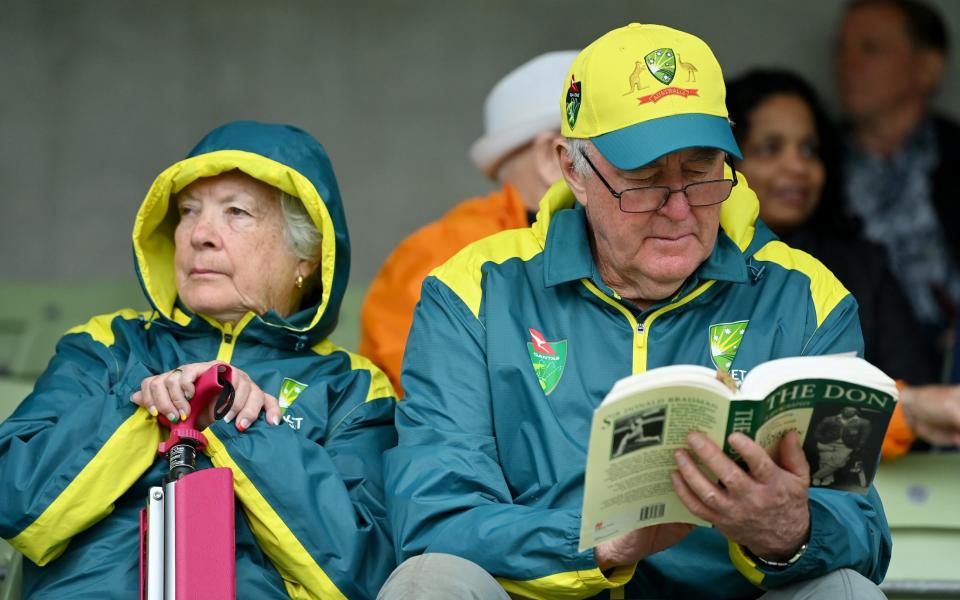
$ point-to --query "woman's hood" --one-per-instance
(282, 156)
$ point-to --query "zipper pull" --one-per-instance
(640, 327)
(228, 333)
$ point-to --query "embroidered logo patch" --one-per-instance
(662, 64)
(290, 389)
(725, 340)
(548, 358)
(574, 94)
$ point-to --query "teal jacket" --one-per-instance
(491, 456)
(77, 458)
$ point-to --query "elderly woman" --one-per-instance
(242, 251)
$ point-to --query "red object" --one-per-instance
(207, 388)
(203, 525)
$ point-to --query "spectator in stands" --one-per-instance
(516, 149)
(242, 251)
(647, 242)
(900, 158)
(791, 160)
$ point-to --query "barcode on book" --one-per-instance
(652, 511)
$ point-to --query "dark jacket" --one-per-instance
(889, 328)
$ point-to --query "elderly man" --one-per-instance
(648, 242)
(516, 149)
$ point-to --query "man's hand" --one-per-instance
(170, 394)
(933, 412)
(639, 543)
(764, 509)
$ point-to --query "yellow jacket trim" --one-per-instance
(742, 562)
(119, 463)
(380, 386)
(100, 327)
(302, 576)
(572, 584)
(825, 289)
(463, 273)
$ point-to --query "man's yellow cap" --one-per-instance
(642, 91)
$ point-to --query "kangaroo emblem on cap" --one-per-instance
(636, 78)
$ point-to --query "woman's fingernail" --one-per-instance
(242, 424)
(228, 417)
(173, 417)
(276, 420)
(183, 415)
(153, 411)
(188, 396)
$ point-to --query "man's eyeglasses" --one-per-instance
(651, 198)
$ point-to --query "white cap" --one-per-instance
(520, 106)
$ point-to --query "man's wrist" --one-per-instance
(776, 563)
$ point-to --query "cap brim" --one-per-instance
(643, 143)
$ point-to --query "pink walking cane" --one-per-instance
(187, 545)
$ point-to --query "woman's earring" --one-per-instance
(299, 282)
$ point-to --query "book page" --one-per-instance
(840, 424)
(630, 458)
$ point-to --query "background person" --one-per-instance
(791, 159)
(242, 251)
(516, 150)
(646, 243)
(900, 163)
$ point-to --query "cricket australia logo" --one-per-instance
(662, 64)
(548, 358)
(725, 340)
(290, 390)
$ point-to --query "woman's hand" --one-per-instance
(170, 393)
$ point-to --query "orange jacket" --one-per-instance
(387, 310)
(899, 435)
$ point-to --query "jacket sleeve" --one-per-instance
(74, 445)
(313, 496)
(445, 487)
(847, 530)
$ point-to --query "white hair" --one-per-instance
(301, 233)
(578, 148)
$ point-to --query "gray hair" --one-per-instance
(301, 233)
(578, 147)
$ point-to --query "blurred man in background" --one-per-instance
(901, 179)
(516, 150)
(900, 160)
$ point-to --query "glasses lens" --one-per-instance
(643, 199)
(709, 192)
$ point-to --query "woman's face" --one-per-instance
(231, 255)
(781, 161)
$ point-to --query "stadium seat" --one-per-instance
(920, 493)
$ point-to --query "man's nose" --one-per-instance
(677, 207)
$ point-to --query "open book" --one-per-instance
(839, 404)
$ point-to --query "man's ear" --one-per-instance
(930, 67)
(574, 179)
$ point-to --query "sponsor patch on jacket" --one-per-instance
(725, 339)
(548, 359)
(290, 390)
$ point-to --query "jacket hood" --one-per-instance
(282, 156)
